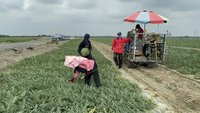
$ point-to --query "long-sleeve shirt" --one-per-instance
(118, 44)
(74, 61)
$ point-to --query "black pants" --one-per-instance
(94, 72)
(118, 59)
(95, 75)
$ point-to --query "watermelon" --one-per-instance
(85, 52)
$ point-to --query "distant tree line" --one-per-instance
(43, 35)
(1, 35)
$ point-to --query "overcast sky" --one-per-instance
(97, 17)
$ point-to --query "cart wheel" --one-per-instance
(131, 64)
(149, 65)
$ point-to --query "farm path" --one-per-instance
(12, 55)
(171, 91)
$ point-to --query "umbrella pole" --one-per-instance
(144, 28)
(158, 28)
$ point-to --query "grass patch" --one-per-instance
(15, 39)
(184, 61)
(184, 42)
(40, 84)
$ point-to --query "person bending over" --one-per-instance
(83, 65)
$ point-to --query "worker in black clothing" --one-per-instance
(87, 44)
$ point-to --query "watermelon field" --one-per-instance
(40, 84)
(113, 56)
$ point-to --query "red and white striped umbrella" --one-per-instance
(146, 17)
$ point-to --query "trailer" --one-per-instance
(148, 51)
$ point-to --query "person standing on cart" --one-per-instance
(139, 39)
(118, 49)
(139, 30)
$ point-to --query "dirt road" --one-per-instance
(171, 91)
(16, 53)
(42, 40)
